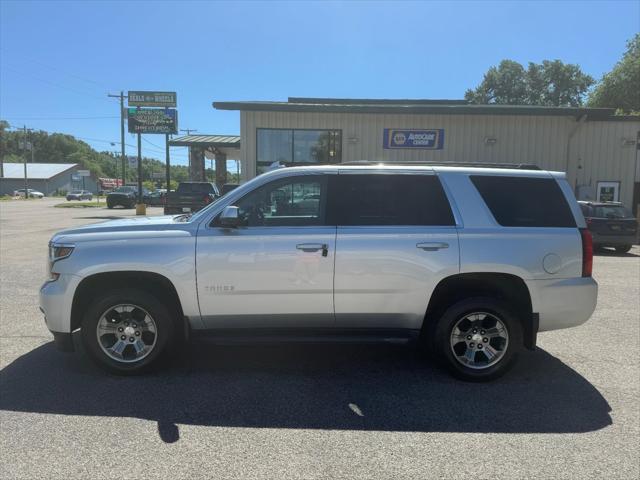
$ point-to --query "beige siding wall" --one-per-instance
(598, 147)
(541, 140)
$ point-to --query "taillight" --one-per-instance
(587, 252)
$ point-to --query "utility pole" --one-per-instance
(26, 182)
(122, 96)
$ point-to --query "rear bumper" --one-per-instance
(563, 303)
(614, 240)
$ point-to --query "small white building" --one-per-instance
(599, 151)
(47, 178)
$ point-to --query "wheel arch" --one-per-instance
(153, 283)
(503, 286)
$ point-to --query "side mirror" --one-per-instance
(229, 217)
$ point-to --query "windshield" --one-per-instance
(76, 192)
(125, 189)
(612, 211)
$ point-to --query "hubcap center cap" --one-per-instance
(476, 338)
(129, 330)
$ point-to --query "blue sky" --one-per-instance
(58, 60)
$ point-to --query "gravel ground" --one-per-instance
(568, 410)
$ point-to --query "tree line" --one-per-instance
(63, 148)
(558, 84)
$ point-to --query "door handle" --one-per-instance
(432, 246)
(314, 247)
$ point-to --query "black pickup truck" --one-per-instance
(190, 197)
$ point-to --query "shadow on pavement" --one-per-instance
(345, 387)
(606, 252)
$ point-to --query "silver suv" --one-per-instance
(469, 262)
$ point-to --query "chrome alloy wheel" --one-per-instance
(126, 333)
(479, 340)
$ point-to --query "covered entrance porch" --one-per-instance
(217, 148)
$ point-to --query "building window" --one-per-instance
(297, 147)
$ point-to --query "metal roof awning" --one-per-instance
(400, 106)
(206, 141)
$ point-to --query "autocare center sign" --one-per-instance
(416, 139)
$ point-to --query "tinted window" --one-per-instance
(296, 201)
(612, 211)
(201, 188)
(525, 202)
(387, 199)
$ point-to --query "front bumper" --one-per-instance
(56, 299)
(563, 303)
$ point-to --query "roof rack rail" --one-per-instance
(515, 166)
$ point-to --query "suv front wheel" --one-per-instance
(478, 338)
(125, 331)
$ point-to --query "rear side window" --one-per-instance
(387, 199)
(524, 202)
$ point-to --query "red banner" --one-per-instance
(109, 183)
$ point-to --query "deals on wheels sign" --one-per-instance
(152, 120)
(403, 138)
(152, 99)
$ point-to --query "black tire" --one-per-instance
(623, 248)
(444, 352)
(155, 308)
(109, 205)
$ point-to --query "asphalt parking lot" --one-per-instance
(568, 410)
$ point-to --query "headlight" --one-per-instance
(57, 251)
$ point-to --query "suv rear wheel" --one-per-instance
(478, 338)
(125, 331)
(623, 248)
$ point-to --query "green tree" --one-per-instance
(550, 83)
(620, 88)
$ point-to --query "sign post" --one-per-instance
(140, 207)
(168, 169)
(151, 121)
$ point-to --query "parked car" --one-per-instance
(79, 195)
(190, 197)
(125, 196)
(32, 193)
(157, 198)
(469, 263)
(611, 224)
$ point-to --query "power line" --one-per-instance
(73, 75)
(53, 83)
(63, 118)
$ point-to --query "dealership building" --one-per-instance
(597, 149)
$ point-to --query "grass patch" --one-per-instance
(79, 205)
